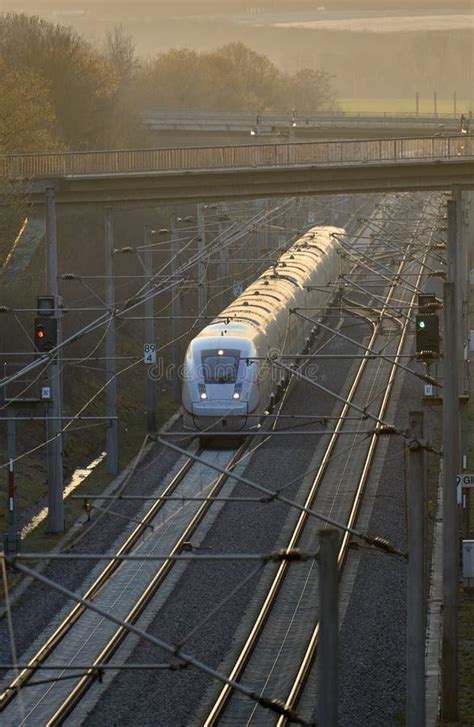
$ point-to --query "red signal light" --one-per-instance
(46, 334)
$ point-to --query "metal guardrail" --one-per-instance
(299, 118)
(267, 125)
(267, 122)
(321, 153)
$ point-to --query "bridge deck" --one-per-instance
(271, 169)
(265, 123)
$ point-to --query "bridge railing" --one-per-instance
(299, 118)
(27, 166)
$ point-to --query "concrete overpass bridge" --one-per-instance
(245, 172)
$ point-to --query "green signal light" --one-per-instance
(421, 324)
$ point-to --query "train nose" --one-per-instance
(220, 408)
(222, 415)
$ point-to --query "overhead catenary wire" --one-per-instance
(275, 495)
(164, 645)
(91, 399)
(101, 320)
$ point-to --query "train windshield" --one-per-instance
(220, 366)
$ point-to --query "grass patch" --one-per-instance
(403, 105)
(132, 433)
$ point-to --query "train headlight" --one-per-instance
(237, 391)
(203, 395)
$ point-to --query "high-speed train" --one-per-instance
(229, 380)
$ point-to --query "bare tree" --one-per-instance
(120, 51)
(231, 78)
(311, 90)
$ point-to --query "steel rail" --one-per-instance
(311, 650)
(143, 601)
(48, 647)
(114, 643)
(252, 639)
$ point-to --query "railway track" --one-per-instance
(279, 652)
(51, 703)
(174, 523)
(37, 661)
(40, 704)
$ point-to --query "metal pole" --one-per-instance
(202, 262)
(415, 706)
(175, 314)
(266, 230)
(112, 463)
(458, 242)
(455, 273)
(223, 261)
(328, 619)
(348, 211)
(449, 691)
(260, 206)
(294, 218)
(417, 102)
(11, 544)
(149, 331)
(457, 251)
(54, 427)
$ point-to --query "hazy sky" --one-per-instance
(344, 37)
(197, 6)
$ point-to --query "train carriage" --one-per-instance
(229, 381)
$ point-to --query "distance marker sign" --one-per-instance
(149, 353)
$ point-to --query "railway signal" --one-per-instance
(46, 334)
(427, 336)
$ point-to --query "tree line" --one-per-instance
(60, 91)
(231, 78)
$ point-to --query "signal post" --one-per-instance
(451, 465)
(48, 332)
(112, 461)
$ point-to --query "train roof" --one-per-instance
(276, 286)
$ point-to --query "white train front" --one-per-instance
(228, 381)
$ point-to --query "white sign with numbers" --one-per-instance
(311, 218)
(149, 353)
